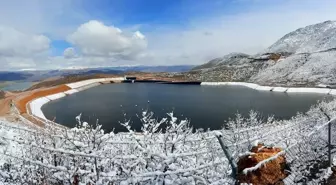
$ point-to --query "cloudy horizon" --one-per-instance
(38, 34)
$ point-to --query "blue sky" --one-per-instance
(146, 15)
(149, 15)
(42, 34)
(175, 12)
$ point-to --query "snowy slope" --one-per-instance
(309, 39)
(300, 69)
(304, 57)
(232, 58)
(312, 60)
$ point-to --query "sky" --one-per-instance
(39, 34)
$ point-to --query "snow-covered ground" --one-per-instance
(279, 89)
(249, 85)
(71, 91)
(79, 84)
(56, 96)
(264, 88)
(309, 90)
(35, 107)
(274, 89)
(83, 83)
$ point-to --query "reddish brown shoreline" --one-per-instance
(21, 103)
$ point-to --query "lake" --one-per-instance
(16, 86)
(205, 106)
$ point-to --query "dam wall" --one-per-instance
(35, 107)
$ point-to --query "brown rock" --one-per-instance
(271, 173)
(275, 56)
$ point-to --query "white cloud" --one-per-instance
(69, 53)
(56, 18)
(21, 50)
(96, 39)
(16, 43)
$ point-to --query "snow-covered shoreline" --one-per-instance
(36, 104)
(275, 89)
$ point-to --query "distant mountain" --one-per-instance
(43, 74)
(13, 76)
(306, 56)
(176, 68)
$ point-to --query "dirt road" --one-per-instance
(5, 102)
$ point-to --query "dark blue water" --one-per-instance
(205, 106)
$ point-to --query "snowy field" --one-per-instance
(86, 154)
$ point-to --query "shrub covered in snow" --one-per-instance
(86, 154)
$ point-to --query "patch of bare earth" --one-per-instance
(67, 79)
(2, 94)
(332, 179)
(22, 100)
(6, 100)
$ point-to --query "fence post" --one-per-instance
(228, 156)
(329, 135)
(329, 143)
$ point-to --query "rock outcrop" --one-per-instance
(271, 173)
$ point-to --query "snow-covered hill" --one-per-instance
(300, 69)
(306, 56)
(313, 38)
(231, 58)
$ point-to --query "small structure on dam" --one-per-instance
(130, 78)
